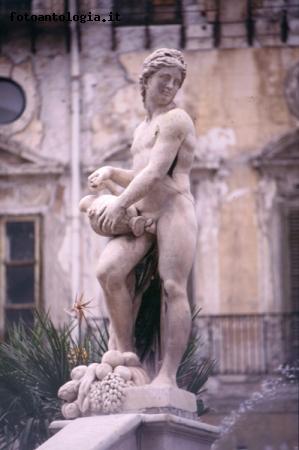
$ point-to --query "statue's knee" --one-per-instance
(101, 272)
(108, 278)
(173, 289)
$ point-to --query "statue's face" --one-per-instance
(163, 85)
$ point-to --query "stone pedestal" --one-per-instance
(160, 399)
(131, 432)
(152, 418)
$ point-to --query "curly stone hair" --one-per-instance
(163, 57)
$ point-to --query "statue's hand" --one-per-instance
(96, 180)
(111, 216)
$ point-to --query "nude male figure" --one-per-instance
(158, 185)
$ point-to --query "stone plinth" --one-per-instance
(132, 432)
(159, 399)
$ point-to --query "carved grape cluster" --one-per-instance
(107, 395)
(95, 397)
(113, 392)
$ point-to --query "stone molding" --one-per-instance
(282, 152)
(279, 160)
(15, 159)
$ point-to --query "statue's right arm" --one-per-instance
(123, 177)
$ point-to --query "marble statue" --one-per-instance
(149, 205)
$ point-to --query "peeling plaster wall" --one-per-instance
(206, 266)
(238, 245)
(44, 76)
(55, 107)
(108, 117)
(57, 245)
(241, 89)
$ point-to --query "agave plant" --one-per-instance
(195, 370)
(34, 363)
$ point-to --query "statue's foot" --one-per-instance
(139, 376)
(164, 380)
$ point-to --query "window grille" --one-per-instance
(250, 344)
(293, 244)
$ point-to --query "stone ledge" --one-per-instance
(91, 433)
(132, 432)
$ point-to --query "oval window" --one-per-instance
(12, 101)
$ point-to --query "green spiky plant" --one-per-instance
(35, 362)
(195, 370)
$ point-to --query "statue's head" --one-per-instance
(161, 59)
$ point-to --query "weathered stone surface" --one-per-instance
(165, 36)
(142, 398)
(92, 433)
(130, 39)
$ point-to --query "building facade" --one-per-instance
(69, 105)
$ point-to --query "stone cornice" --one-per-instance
(280, 153)
(17, 160)
(32, 169)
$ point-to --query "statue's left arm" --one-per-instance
(173, 129)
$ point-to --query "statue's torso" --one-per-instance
(176, 182)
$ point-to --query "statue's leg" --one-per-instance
(176, 233)
(116, 263)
